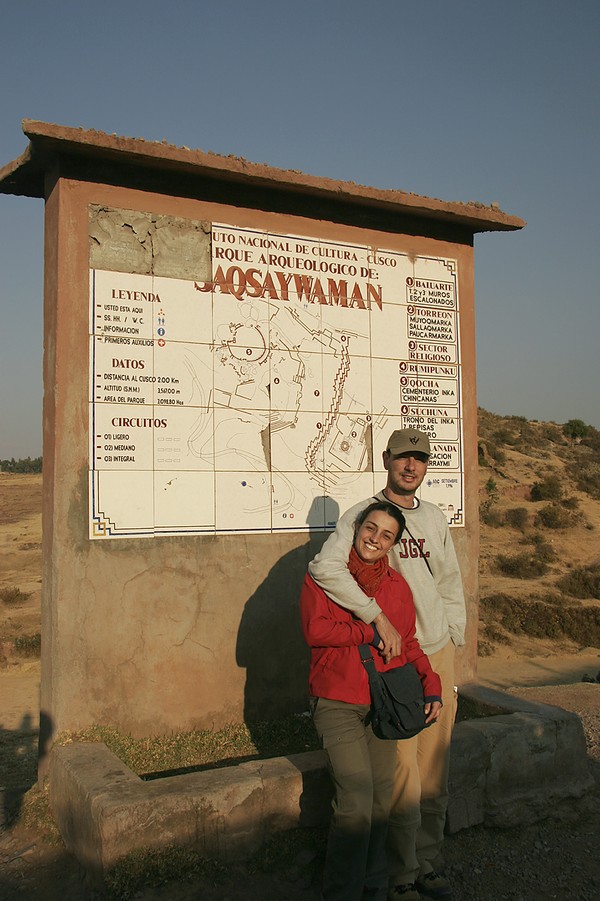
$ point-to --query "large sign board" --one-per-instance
(261, 400)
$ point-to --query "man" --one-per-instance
(426, 558)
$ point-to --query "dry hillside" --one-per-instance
(540, 530)
(539, 559)
(20, 565)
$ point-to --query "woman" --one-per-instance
(361, 765)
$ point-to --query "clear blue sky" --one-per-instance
(457, 99)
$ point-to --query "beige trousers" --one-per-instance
(420, 793)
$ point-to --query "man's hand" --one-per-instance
(432, 711)
(392, 642)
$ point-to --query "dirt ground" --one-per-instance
(556, 858)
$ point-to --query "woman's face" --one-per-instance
(376, 536)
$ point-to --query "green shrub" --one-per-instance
(517, 517)
(554, 516)
(12, 595)
(543, 619)
(552, 433)
(592, 440)
(491, 486)
(527, 441)
(588, 479)
(487, 514)
(497, 454)
(575, 429)
(583, 582)
(545, 552)
(522, 566)
(504, 436)
(494, 634)
(487, 446)
(490, 516)
(549, 489)
(29, 645)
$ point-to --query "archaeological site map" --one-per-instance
(261, 400)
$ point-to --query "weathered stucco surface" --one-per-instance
(144, 243)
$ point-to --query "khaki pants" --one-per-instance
(420, 793)
(362, 769)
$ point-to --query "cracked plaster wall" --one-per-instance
(149, 244)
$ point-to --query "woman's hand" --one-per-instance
(432, 711)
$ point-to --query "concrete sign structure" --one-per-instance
(227, 347)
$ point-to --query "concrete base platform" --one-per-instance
(506, 769)
(513, 768)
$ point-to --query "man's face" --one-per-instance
(405, 471)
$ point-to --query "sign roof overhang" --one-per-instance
(56, 151)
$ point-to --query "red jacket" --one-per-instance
(336, 670)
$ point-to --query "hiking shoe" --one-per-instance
(432, 885)
(405, 892)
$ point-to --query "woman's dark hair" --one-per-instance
(391, 510)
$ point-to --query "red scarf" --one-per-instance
(368, 575)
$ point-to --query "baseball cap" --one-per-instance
(403, 440)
